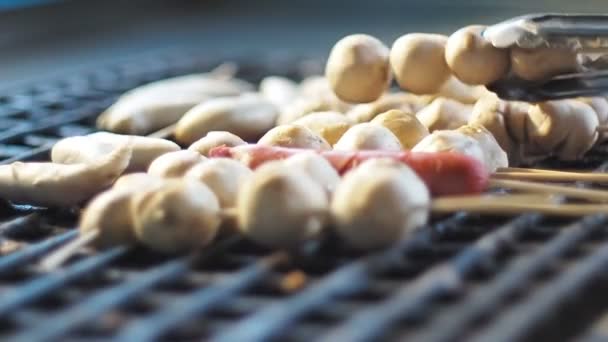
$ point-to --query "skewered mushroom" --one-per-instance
(178, 216)
(175, 164)
(406, 127)
(291, 135)
(567, 128)
(329, 125)
(368, 136)
(473, 59)
(215, 139)
(408, 103)
(223, 176)
(358, 68)
(379, 203)
(451, 141)
(280, 206)
(418, 62)
(542, 63)
(494, 156)
(444, 113)
(317, 167)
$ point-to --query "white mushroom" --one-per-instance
(444, 113)
(280, 206)
(368, 136)
(317, 167)
(379, 203)
(223, 176)
(174, 164)
(295, 136)
(179, 216)
(215, 139)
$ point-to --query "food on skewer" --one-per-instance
(314, 95)
(464, 93)
(279, 206)
(473, 59)
(174, 164)
(178, 216)
(223, 176)
(280, 91)
(317, 167)
(542, 63)
(451, 141)
(329, 125)
(472, 141)
(108, 219)
(408, 103)
(494, 156)
(368, 136)
(567, 128)
(88, 148)
(214, 139)
(52, 184)
(406, 127)
(158, 104)
(378, 203)
(358, 68)
(292, 135)
(444, 113)
(418, 63)
(248, 116)
(445, 173)
(599, 105)
(505, 120)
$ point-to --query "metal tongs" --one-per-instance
(583, 33)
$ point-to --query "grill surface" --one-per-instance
(464, 276)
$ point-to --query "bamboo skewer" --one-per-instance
(446, 205)
(554, 176)
(59, 257)
(563, 190)
(531, 170)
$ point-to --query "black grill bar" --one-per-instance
(484, 302)
(9, 263)
(344, 281)
(519, 320)
(440, 280)
(92, 307)
(153, 327)
(103, 301)
(46, 284)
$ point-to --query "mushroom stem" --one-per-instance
(562, 190)
(60, 256)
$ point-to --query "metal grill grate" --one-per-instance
(463, 277)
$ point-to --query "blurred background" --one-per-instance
(45, 38)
